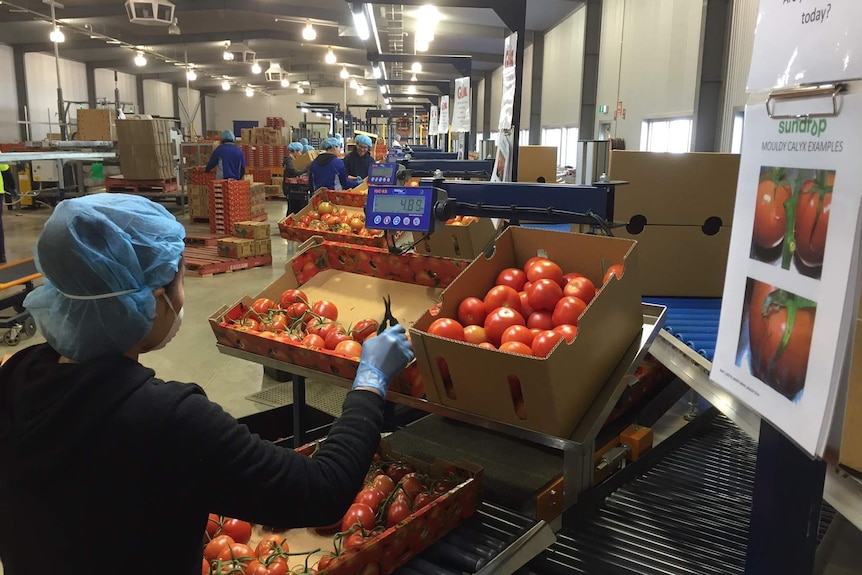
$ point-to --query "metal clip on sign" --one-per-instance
(825, 90)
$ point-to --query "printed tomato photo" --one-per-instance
(775, 340)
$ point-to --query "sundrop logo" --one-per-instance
(803, 126)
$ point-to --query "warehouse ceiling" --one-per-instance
(272, 31)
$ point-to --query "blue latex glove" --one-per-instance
(358, 181)
(383, 358)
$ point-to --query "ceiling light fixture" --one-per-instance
(382, 89)
(140, 59)
(56, 36)
(354, 84)
(360, 21)
(300, 90)
(255, 68)
(330, 57)
(413, 78)
(344, 74)
(174, 28)
(285, 82)
(360, 91)
(411, 89)
(422, 45)
(376, 72)
(416, 67)
(191, 75)
(388, 106)
(225, 85)
(309, 33)
(228, 55)
(249, 92)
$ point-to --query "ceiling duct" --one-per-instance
(150, 12)
(242, 54)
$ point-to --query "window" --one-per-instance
(736, 134)
(554, 137)
(566, 142)
(524, 137)
(666, 135)
(494, 136)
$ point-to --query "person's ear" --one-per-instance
(158, 293)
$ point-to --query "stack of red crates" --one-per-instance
(262, 175)
(201, 178)
(229, 202)
(275, 123)
(258, 203)
(263, 155)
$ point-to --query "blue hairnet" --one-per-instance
(113, 245)
(398, 137)
(363, 140)
(307, 148)
(227, 136)
(330, 143)
(295, 147)
(304, 141)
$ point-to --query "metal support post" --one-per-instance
(139, 85)
(536, 89)
(715, 47)
(514, 15)
(21, 88)
(590, 79)
(90, 71)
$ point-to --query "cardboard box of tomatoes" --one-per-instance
(461, 237)
(347, 198)
(334, 223)
(405, 506)
(550, 391)
(341, 282)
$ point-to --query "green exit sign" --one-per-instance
(603, 109)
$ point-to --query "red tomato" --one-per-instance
(544, 293)
(276, 567)
(516, 347)
(475, 334)
(271, 544)
(812, 220)
(581, 288)
(296, 311)
(278, 323)
(292, 296)
(371, 497)
(213, 526)
(239, 531)
(422, 500)
(545, 269)
(335, 337)
(205, 567)
(448, 328)
(315, 341)
(349, 347)
(572, 275)
(471, 311)
(568, 310)
(215, 547)
(770, 217)
(326, 309)
(526, 308)
(356, 539)
(541, 320)
(321, 327)
(570, 332)
(364, 328)
(517, 333)
(531, 261)
(487, 345)
(358, 513)
(545, 342)
(262, 305)
(502, 296)
(383, 483)
(397, 471)
(512, 277)
(397, 512)
(615, 270)
(412, 485)
(236, 552)
(500, 319)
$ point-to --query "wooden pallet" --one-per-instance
(198, 220)
(121, 184)
(208, 240)
(205, 261)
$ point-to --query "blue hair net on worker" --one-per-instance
(308, 149)
(295, 147)
(227, 136)
(363, 140)
(330, 143)
(397, 137)
(102, 256)
(304, 141)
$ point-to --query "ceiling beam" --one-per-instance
(444, 87)
(461, 63)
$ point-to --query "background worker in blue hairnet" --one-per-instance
(358, 162)
(92, 442)
(296, 194)
(328, 171)
(305, 146)
(228, 158)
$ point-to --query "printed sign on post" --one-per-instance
(508, 105)
(502, 164)
(806, 42)
(789, 302)
(443, 128)
(461, 109)
(433, 121)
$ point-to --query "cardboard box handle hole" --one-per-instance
(517, 397)
(447, 378)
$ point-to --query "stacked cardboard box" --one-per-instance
(145, 150)
(302, 161)
(97, 125)
(200, 178)
(262, 175)
(258, 201)
(197, 153)
(236, 248)
(277, 123)
(263, 136)
(249, 239)
(229, 202)
(198, 202)
(263, 156)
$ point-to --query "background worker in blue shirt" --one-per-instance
(328, 171)
(228, 158)
(359, 161)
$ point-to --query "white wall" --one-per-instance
(9, 130)
(211, 112)
(190, 108)
(744, 20)
(125, 82)
(562, 71)
(158, 98)
(649, 59)
(42, 90)
(527, 89)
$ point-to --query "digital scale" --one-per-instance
(395, 157)
(383, 174)
(402, 209)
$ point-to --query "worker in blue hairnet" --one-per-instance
(305, 147)
(228, 158)
(328, 171)
(296, 194)
(90, 438)
(359, 161)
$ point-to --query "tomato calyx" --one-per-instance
(821, 187)
(775, 302)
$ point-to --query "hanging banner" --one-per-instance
(806, 43)
(443, 127)
(461, 108)
(508, 105)
(433, 121)
(789, 302)
(503, 164)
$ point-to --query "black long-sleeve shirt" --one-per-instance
(104, 452)
(357, 165)
(289, 165)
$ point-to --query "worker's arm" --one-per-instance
(346, 182)
(214, 158)
(242, 164)
(289, 168)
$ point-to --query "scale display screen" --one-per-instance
(382, 174)
(400, 209)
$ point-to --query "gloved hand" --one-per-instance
(358, 181)
(383, 358)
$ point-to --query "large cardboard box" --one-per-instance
(462, 242)
(236, 248)
(291, 228)
(145, 149)
(851, 440)
(251, 230)
(302, 161)
(558, 390)
(537, 163)
(679, 207)
(97, 125)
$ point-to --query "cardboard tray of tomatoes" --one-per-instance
(349, 198)
(345, 224)
(355, 279)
